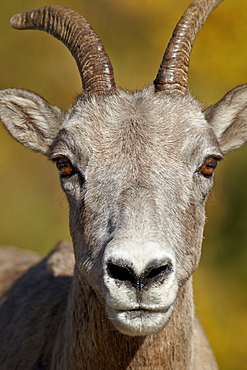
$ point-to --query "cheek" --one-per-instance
(89, 230)
(189, 250)
(88, 249)
(195, 220)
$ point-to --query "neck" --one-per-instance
(89, 340)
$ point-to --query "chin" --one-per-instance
(139, 322)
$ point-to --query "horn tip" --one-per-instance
(16, 21)
(22, 21)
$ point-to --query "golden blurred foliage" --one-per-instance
(135, 33)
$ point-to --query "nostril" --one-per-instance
(155, 272)
(160, 272)
(120, 273)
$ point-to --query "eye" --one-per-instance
(208, 167)
(64, 166)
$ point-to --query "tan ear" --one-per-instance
(228, 119)
(30, 119)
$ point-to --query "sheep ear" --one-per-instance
(30, 119)
(228, 119)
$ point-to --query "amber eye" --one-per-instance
(208, 167)
(64, 166)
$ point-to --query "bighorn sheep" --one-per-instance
(137, 168)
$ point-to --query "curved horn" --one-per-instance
(77, 34)
(173, 72)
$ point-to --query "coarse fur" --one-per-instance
(122, 297)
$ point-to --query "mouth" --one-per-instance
(141, 310)
(139, 321)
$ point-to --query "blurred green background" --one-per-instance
(135, 33)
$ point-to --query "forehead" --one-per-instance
(139, 126)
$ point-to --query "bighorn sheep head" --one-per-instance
(136, 166)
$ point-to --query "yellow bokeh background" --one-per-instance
(33, 213)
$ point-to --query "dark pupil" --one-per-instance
(64, 166)
(211, 164)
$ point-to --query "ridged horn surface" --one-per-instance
(173, 72)
(77, 34)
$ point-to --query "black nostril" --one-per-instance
(121, 273)
(159, 272)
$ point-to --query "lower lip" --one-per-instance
(139, 322)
